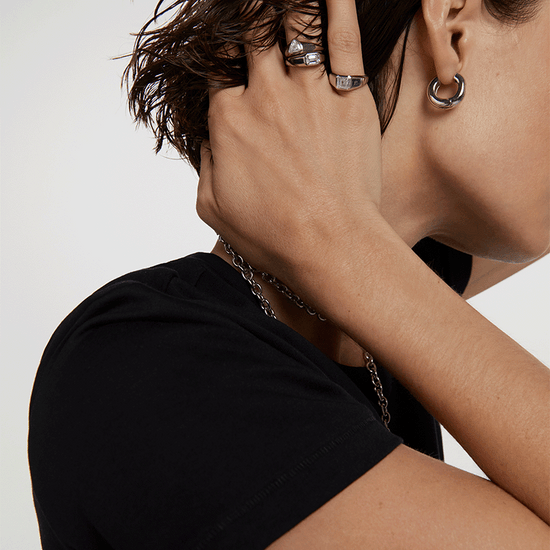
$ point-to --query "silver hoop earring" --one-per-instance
(450, 103)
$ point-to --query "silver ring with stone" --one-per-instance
(310, 59)
(297, 48)
(346, 83)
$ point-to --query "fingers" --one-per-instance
(264, 64)
(268, 65)
(303, 37)
(344, 38)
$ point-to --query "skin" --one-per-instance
(474, 196)
(469, 191)
(294, 164)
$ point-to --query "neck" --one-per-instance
(415, 204)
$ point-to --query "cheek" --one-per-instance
(503, 140)
(509, 101)
(498, 151)
(511, 160)
(510, 108)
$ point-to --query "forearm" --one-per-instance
(291, 178)
(484, 388)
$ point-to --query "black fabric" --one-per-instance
(169, 412)
(453, 266)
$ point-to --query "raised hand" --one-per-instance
(292, 161)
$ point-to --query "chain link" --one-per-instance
(247, 271)
(283, 289)
(382, 401)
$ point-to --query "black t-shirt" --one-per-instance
(170, 412)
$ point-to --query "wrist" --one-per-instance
(345, 260)
(324, 245)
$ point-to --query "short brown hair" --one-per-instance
(172, 66)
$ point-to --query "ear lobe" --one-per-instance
(444, 26)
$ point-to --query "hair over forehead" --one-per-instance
(191, 45)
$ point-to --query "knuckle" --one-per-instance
(217, 111)
(268, 105)
(270, 110)
(221, 102)
(344, 41)
(357, 111)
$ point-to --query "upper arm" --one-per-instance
(487, 273)
(409, 500)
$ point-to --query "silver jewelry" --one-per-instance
(450, 103)
(247, 271)
(310, 59)
(346, 83)
(283, 289)
(296, 47)
(382, 401)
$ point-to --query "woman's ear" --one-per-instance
(448, 27)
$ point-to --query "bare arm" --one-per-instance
(305, 209)
(484, 388)
(492, 395)
(415, 502)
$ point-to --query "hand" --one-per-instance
(293, 165)
(291, 162)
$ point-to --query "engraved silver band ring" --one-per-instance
(346, 83)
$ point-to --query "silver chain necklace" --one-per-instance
(247, 271)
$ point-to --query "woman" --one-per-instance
(170, 411)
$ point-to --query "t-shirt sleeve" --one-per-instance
(190, 430)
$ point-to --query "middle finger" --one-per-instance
(344, 38)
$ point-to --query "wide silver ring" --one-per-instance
(297, 48)
(310, 59)
(450, 103)
(346, 83)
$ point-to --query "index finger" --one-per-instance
(344, 38)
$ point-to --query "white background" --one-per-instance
(84, 199)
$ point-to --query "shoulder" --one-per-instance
(172, 403)
(169, 291)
